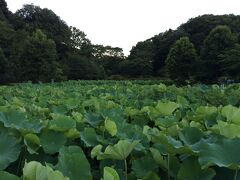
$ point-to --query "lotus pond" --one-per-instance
(119, 130)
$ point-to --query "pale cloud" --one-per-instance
(123, 23)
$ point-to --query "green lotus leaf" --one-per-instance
(9, 149)
(36, 171)
(18, 120)
(170, 145)
(228, 130)
(158, 158)
(142, 166)
(218, 151)
(110, 174)
(96, 151)
(78, 117)
(117, 165)
(173, 131)
(61, 123)
(228, 111)
(166, 108)
(32, 142)
(92, 104)
(119, 151)
(89, 137)
(182, 101)
(131, 112)
(7, 176)
(191, 170)
(73, 163)
(151, 176)
(172, 168)
(116, 115)
(166, 122)
(110, 126)
(232, 114)
(160, 87)
(197, 125)
(111, 104)
(132, 133)
(93, 119)
(72, 103)
(202, 112)
(147, 109)
(72, 134)
(145, 132)
(206, 110)
(52, 141)
(59, 109)
(190, 135)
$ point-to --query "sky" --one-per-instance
(123, 23)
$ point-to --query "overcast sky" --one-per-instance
(122, 23)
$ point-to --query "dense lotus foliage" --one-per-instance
(118, 130)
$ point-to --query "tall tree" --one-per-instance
(136, 68)
(3, 68)
(38, 61)
(78, 38)
(2, 16)
(7, 34)
(142, 50)
(51, 25)
(108, 57)
(140, 55)
(181, 60)
(219, 39)
(4, 11)
(229, 62)
(80, 42)
(17, 48)
(199, 27)
(162, 45)
(81, 67)
(100, 51)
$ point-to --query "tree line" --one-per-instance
(37, 45)
(204, 49)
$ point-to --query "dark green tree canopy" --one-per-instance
(2, 16)
(219, 39)
(199, 27)
(39, 59)
(136, 68)
(3, 60)
(162, 45)
(80, 67)
(5, 14)
(80, 42)
(7, 34)
(230, 62)
(142, 50)
(100, 51)
(109, 58)
(3, 67)
(46, 20)
(181, 59)
(35, 41)
(78, 38)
